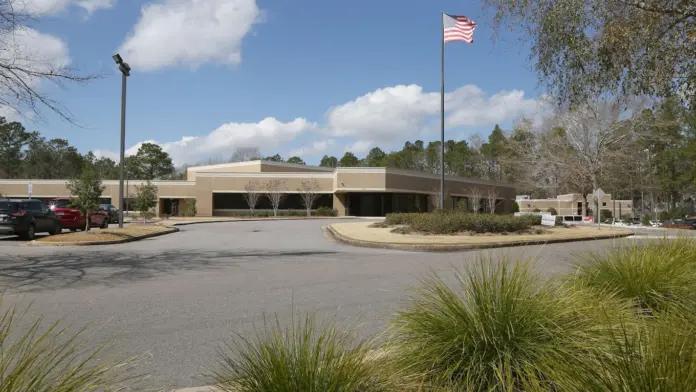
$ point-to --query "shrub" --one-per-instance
(552, 211)
(515, 207)
(48, 358)
(559, 221)
(379, 225)
(503, 329)
(400, 218)
(463, 205)
(606, 215)
(654, 276)
(451, 222)
(325, 211)
(646, 220)
(191, 209)
(304, 356)
(536, 210)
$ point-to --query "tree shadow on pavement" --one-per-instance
(30, 273)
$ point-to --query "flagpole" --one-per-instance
(442, 112)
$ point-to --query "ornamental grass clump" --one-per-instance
(502, 329)
(48, 358)
(304, 356)
(658, 355)
(654, 276)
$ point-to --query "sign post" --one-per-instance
(29, 190)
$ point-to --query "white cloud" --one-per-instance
(268, 134)
(52, 7)
(189, 33)
(384, 117)
(360, 147)
(317, 148)
(401, 111)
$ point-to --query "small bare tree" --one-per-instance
(582, 142)
(252, 195)
(492, 199)
(476, 195)
(275, 192)
(434, 198)
(309, 191)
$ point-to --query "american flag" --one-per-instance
(458, 28)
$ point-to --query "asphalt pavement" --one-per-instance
(178, 297)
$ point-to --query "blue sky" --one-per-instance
(310, 78)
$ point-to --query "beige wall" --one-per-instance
(339, 203)
(213, 179)
(248, 167)
(569, 206)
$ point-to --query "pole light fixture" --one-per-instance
(125, 73)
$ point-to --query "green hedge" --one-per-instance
(457, 222)
(321, 211)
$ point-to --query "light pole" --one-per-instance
(125, 73)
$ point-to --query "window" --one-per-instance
(31, 206)
(62, 203)
(8, 206)
(604, 204)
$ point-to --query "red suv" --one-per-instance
(73, 219)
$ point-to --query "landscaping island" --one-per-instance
(448, 231)
(105, 236)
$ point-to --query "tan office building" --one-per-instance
(356, 191)
(573, 204)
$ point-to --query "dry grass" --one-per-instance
(98, 235)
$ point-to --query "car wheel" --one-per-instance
(57, 229)
(29, 234)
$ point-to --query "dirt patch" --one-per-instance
(105, 235)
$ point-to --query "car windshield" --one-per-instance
(8, 206)
(60, 203)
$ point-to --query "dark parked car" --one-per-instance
(691, 221)
(111, 211)
(25, 218)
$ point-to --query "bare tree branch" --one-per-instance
(252, 195)
(309, 191)
(434, 198)
(275, 192)
(476, 195)
(492, 199)
(23, 69)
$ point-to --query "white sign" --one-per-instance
(548, 220)
(30, 188)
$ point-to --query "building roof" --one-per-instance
(260, 162)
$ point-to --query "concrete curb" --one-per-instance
(460, 247)
(112, 242)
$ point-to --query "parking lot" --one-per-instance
(179, 296)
